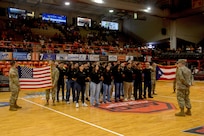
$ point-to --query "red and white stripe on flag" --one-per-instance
(40, 79)
(169, 72)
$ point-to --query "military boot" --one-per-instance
(16, 106)
(188, 112)
(181, 113)
(13, 108)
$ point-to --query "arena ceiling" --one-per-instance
(122, 8)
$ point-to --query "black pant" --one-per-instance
(147, 84)
(79, 88)
(60, 84)
(138, 87)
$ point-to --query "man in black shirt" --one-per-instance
(128, 82)
(62, 73)
(147, 79)
(138, 81)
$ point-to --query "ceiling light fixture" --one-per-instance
(67, 3)
(111, 11)
(98, 1)
(148, 9)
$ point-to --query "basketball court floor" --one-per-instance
(150, 117)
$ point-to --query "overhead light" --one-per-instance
(67, 3)
(148, 8)
(111, 11)
(98, 1)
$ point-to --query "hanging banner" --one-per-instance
(103, 58)
(94, 57)
(61, 56)
(5, 55)
(46, 56)
(73, 57)
(121, 58)
(129, 58)
(35, 56)
(83, 57)
(112, 58)
(21, 56)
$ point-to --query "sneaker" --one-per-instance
(77, 105)
(132, 99)
(84, 105)
(125, 99)
(68, 102)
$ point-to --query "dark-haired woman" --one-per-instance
(95, 77)
(118, 81)
(80, 79)
(107, 79)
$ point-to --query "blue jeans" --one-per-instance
(70, 84)
(118, 90)
(94, 92)
(106, 91)
(79, 88)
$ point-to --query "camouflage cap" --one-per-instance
(183, 61)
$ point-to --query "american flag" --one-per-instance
(165, 72)
(34, 78)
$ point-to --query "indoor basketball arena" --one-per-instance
(101, 67)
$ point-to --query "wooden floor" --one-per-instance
(34, 119)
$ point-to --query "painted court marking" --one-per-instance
(72, 117)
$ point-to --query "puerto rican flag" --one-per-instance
(165, 72)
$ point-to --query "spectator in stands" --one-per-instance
(14, 86)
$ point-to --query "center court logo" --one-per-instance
(147, 106)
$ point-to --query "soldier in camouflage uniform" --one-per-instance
(183, 82)
(55, 77)
(153, 77)
(14, 86)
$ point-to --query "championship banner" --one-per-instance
(21, 56)
(103, 58)
(73, 57)
(35, 56)
(112, 58)
(46, 56)
(5, 55)
(129, 58)
(94, 57)
(61, 56)
(121, 58)
(83, 57)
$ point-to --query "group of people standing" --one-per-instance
(96, 81)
